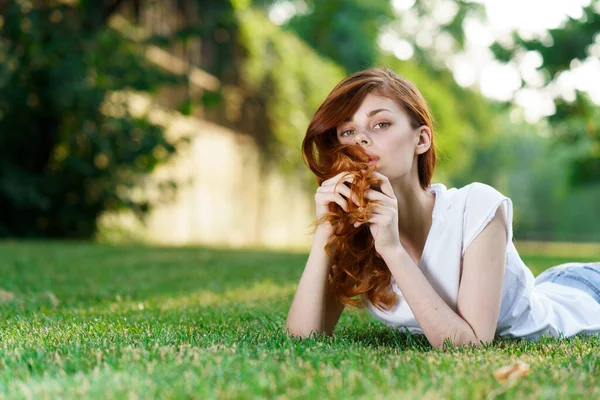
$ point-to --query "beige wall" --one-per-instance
(227, 202)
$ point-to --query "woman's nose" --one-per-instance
(361, 138)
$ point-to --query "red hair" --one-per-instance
(359, 270)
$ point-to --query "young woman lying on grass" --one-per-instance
(421, 257)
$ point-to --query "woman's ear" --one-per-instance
(424, 139)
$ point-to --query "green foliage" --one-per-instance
(569, 42)
(344, 30)
(66, 152)
(577, 125)
(462, 118)
(533, 170)
(292, 81)
(578, 120)
(565, 44)
(93, 321)
(425, 8)
(289, 78)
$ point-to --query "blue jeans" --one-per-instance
(584, 276)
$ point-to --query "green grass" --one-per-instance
(136, 322)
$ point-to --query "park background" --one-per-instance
(181, 121)
(155, 211)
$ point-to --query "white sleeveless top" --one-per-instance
(527, 310)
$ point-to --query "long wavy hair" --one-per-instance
(358, 270)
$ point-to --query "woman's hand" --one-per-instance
(334, 190)
(383, 222)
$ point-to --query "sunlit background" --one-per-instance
(180, 121)
(474, 65)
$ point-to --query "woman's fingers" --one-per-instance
(386, 186)
(330, 197)
(341, 201)
(338, 178)
(331, 193)
(345, 190)
(336, 191)
(348, 194)
(374, 219)
(375, 195)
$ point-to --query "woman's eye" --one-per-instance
(381, 123)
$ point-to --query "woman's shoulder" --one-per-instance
(477, 192)
(474, 199)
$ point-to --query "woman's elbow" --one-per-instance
(462, 339)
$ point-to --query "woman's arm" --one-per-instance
(314, 308)
(333, 310)
(479, 293)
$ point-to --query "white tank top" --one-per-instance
(527, 310)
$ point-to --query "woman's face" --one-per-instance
(383, 129)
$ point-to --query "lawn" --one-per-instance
(97, 321)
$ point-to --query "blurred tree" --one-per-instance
(349, 32)
(271, 81)
(477, 139)
(522, 162)
(463, 120)
(67, 152)
(545, 208)
(282, 81)
(576, 122)
(344, 30)
(202, 32)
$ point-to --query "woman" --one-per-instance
(451, 267)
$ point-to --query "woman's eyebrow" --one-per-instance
(370, 114)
